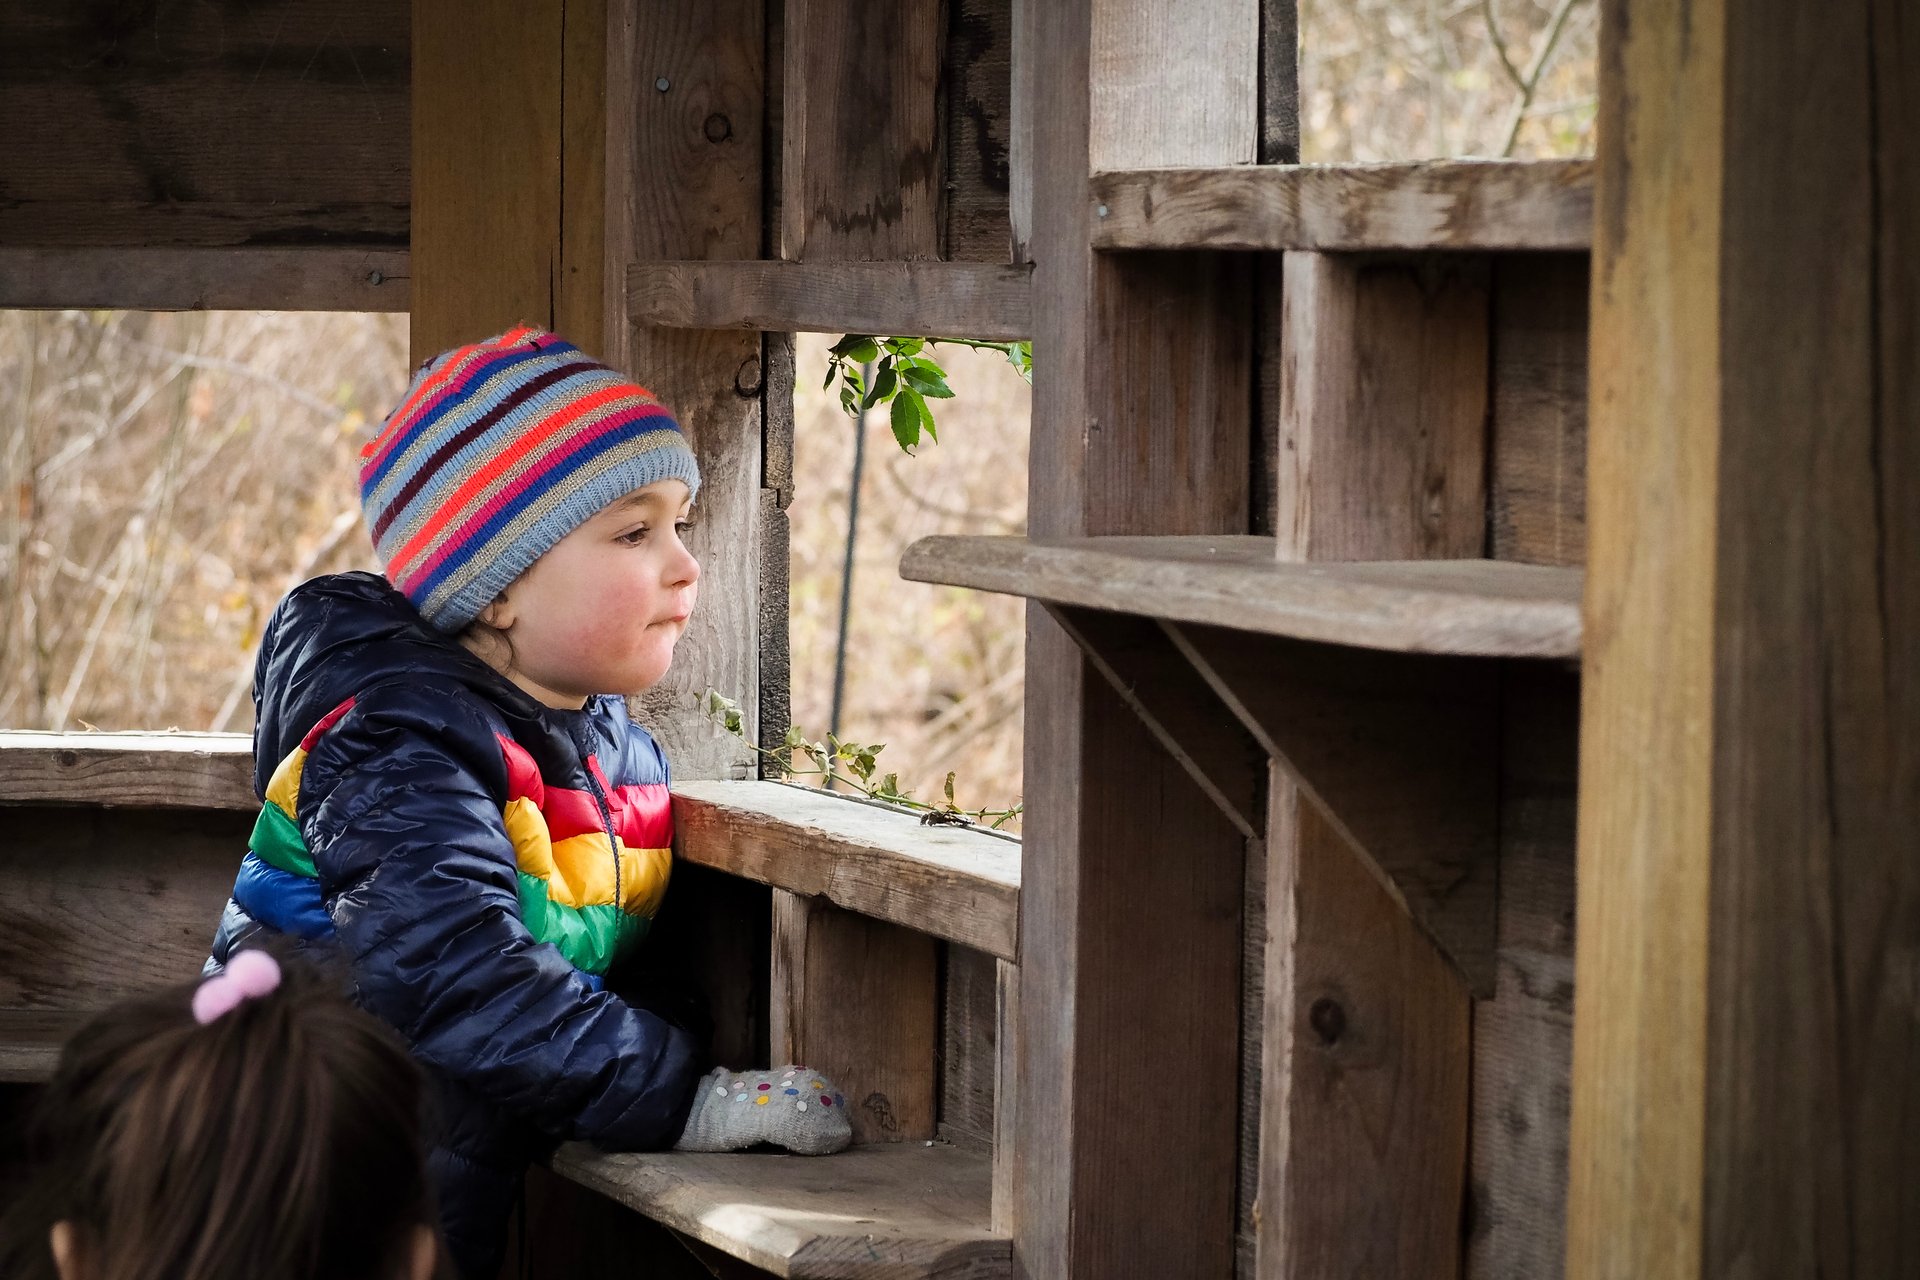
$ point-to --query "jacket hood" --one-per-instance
(334, 637)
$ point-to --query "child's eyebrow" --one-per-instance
(635, 501)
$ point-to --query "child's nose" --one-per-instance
(685, 570)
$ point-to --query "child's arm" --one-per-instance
(399, 807)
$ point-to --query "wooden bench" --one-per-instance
(849, 936)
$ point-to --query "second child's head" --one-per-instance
(531, 502)
(255, 1125)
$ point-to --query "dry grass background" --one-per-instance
(167, 477)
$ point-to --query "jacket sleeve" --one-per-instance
(421, 882)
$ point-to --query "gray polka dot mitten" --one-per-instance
(790, 1107)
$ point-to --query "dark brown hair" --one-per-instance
(282, 1139)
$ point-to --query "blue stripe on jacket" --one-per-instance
(282, 900)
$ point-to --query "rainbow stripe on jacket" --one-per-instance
(500, 449)
(590, 892)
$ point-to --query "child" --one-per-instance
(455, 797)
(254, 1127)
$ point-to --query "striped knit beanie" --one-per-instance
(499, 450)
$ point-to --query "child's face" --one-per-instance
(602, 610)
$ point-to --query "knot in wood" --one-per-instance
(1328, 1019)
(718, 128)
(746, 378)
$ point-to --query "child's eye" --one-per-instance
(633, 537)
(683, 525)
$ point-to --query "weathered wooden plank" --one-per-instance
(969, 1045)
(978, 79)
(1006, 1097)
(1364, 1136)
(1177, 707)
(956, 884)
(349, 278)
(863, 170)
(684, 177)
(1174, 84)
(275, 124)
(1523, 1035)
(1537, 481)
(858, 1000)
(30, 1042)
(1412, 606)
(1398, 750)
(891, 1211)
(1383, 409)
(582, 280)
(486, 100)
(1429, 204)
(1746, 1072)
(136, 912)
(923, 299)
(136, 770)
(1145, 391)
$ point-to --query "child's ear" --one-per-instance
(499, 614)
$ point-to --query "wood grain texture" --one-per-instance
(896, 1210)
(863, 170)
(776, 494)
(1399, 751)
(1746, 1068)
(1142, 666)
(1006, 1098)
(196, 279)
(1537, 478)
(978, 84)
(1423, 205)
(684, 177)
(31, 1039)
(1143, 389)
(1412, 606)
(486, 98)
(1523, 1035)
(135, 913)
(969, 1046)
(279, 124)
(858, 1000)
(582, 280)
(1383, 409)
(870, 859)
(138, 770)
(1364, 1133)
(924, 299)
(1174, 84)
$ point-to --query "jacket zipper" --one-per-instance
(606, 813)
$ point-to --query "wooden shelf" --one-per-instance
(950, 882)
(919, 299)
(30, 1041)
(1442, 204)
(1471, 607)
(128, 770)
(884, 1212)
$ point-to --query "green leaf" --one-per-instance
(910, 346)
(856, 348)
(906, 419)
(926, 418)
(949, 786)
(884, 382)
(833, 367)
(927, 384)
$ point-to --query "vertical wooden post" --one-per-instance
(687, 89)
(1746, 1074)
(1129, 955)
(508, 171)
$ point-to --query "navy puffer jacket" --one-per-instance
(479, 861)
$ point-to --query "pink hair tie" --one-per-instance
(249, 975)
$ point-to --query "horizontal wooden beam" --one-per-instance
(1443, 204)
(1473, 607)
(874, 861)
(920, 299)
(353, 278)
(31, 1039)
(128, 770)
(889, 1211)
